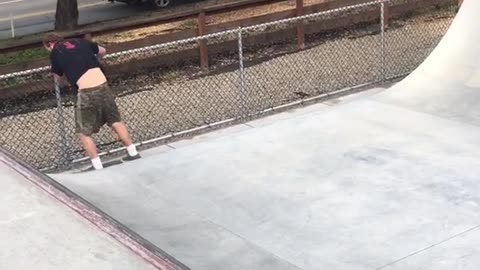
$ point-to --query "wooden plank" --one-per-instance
(202, 30)
(34, 41)
(300, 26)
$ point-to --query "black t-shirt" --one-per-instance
(74, 57)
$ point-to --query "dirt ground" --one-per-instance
(192, 23)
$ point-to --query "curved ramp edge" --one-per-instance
(447, 83)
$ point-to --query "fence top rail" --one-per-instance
(213, 35)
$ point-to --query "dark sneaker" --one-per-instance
(130, 158)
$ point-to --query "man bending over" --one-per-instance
(77, 60)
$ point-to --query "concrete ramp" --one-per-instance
(38, 232)
(447, 84)
(387, 179)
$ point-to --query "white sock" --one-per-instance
(97, 163)
(132, 150)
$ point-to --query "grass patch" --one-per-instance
(23, 56)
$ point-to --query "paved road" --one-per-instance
(39, 15)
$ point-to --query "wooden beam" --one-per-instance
(300, 26)
(202, 30)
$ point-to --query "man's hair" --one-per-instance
(52, 38)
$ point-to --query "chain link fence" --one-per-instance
(411, 37)
(163, 94)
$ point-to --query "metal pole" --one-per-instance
(64, 145)
(382, 33)
(11, 25)
(242, 71)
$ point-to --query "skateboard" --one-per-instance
(106, 164)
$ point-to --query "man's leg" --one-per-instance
(86, 118)
(91, 149)
(89, 146)
(113, 118)
(122, 132)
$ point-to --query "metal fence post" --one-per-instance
(242, 90)
(64, 145)
(382, 40)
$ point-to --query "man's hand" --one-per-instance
(101, 52)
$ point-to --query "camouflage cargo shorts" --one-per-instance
(94, 108)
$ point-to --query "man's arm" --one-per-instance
(56, 71)
(57, 79)
(97, 49)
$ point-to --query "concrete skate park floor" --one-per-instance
(360, 183)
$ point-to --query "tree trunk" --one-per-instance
(66, 16)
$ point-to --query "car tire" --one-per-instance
(160, 3)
